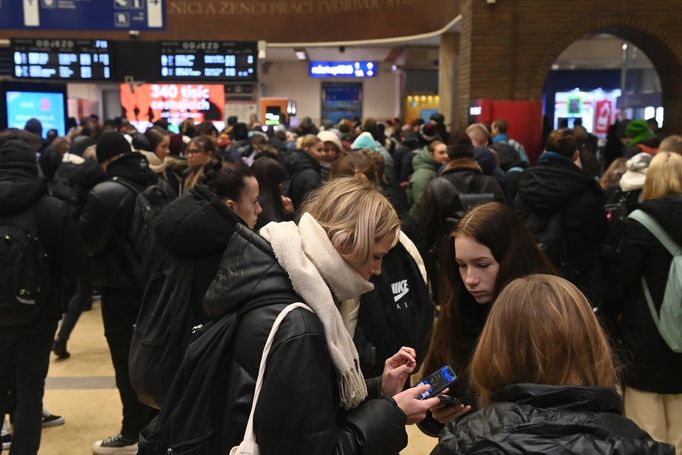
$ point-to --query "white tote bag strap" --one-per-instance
(248, 445)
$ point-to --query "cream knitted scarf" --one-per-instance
(317, 271)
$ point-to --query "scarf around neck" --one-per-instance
(318, 274)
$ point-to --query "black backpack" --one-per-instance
(398, 313)
(139, 243)
(192, 412)
(548, 231)
(162, 330)
(25, 273)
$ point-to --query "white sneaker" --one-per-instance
(5, 436)
(6, 441)
(117, 444)
(51, 420)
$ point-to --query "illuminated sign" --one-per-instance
(173, 102)
(61, 59)
(209, 60)
(319, 69)
(475, 110)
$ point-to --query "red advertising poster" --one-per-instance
(175, 102)
(603, 114)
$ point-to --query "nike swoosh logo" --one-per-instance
(401, 295)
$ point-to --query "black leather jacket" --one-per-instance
(298, 411)
(107, 214)
(533, 418)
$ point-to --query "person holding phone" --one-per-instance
(546, 380)
(489, 247)
(314, 398)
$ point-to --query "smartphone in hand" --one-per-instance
(449, 400)
(438, 381)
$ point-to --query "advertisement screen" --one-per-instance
(596, 109)
(146, 103)
(45, 106)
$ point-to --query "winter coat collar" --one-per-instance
(133, 167)
(195, 225)
(577, 398)
(550, 157)
(424, 160)
(462, 164)
(500, 138)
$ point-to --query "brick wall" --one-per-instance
(507, 48)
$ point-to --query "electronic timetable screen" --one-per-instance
(61, 59)
(209, 60)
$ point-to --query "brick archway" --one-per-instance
(507, 48)
(647, 37)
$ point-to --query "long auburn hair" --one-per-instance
(498, 227)
(541, 330)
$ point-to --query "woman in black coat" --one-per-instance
(197, 226)
(546, 380)
(653, 379)
(313, 399)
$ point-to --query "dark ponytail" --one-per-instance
(225, 178)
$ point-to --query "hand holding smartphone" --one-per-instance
(438, 382)
(449, 401)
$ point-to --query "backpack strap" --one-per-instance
(249, 436)
(127, 184)
(652, 226)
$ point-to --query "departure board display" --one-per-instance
(61, 59)
(209, 60)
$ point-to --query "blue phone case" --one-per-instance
(439, 381)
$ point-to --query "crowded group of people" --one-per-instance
(403, 248)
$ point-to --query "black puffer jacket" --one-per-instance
(298, 411)
(556, 184)
(532, 418)
(197, 227)
(106, 216)
(72, 182)
(304, 176)
(651, 364)
(21, 190)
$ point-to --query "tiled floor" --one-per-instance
(82, 389)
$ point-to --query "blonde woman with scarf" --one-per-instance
(314, 399)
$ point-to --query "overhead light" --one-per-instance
(301, 54)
